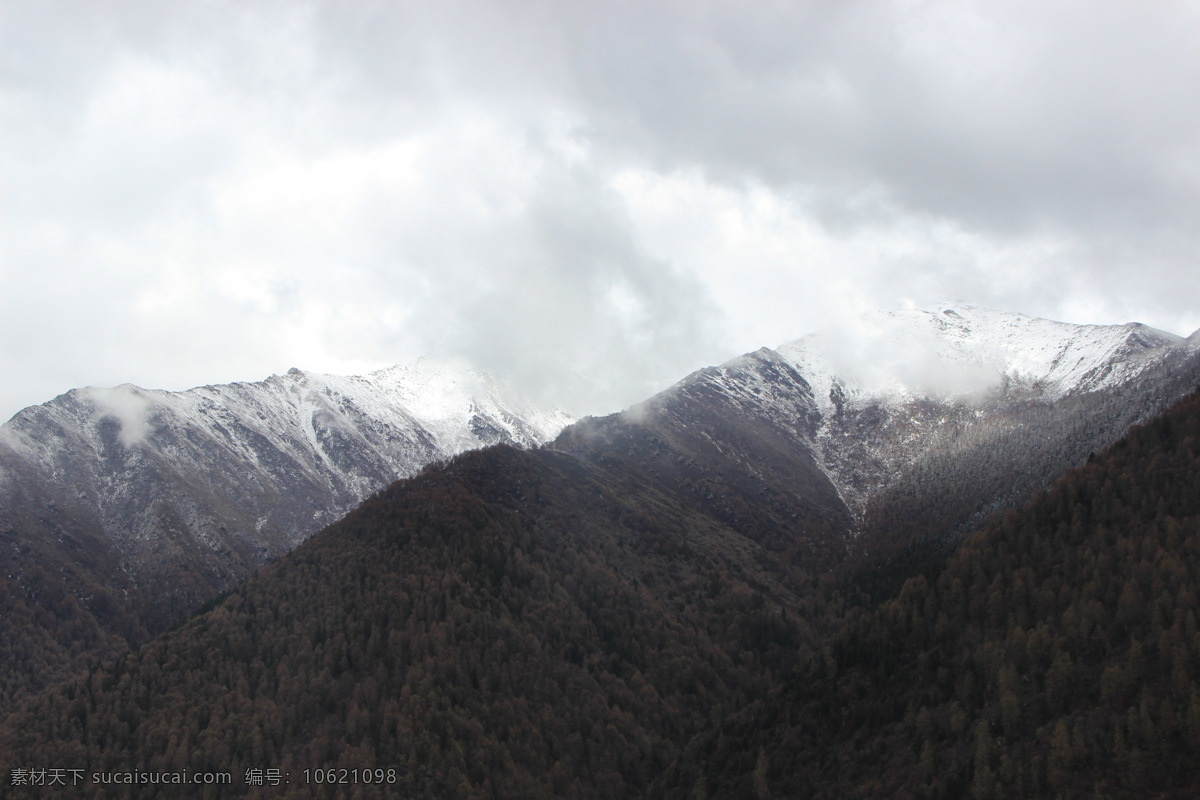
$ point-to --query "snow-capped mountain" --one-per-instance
(123, 508)
(189, 491)
(899, 390)
(963, 352)
(950, 412)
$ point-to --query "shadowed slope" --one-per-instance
(1056, 654)
(534, 624)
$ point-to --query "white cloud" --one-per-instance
(128, 408)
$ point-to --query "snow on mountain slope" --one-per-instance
(949, 393)
(963, 352)
(195, 489)
(405, 416)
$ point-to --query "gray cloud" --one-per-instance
(630, 318)
(615, 192)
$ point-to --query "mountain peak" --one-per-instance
(171, 483)
(960, 351)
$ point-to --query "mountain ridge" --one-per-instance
(561, 621)
(958, 368)
(124, 509)
(995, 353)
(342, 436)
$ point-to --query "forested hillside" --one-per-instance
(1056, 654)
(514, 624)
(118, 524)
(659, 604)
(124, 510)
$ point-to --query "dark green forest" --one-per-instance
(509, 624)
(1055, 654)
(634, 613)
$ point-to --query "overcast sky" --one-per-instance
(617, 192)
